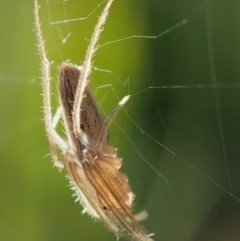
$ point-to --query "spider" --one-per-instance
(91, 164)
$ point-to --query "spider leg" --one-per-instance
(56, 117)
(45, 65)
(53, 147)
(107, 122)
(86, 69)
(54, 139)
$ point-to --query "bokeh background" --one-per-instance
(179, 135)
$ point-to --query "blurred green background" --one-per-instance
(179, 135)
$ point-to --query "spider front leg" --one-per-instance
(86, 69)
(50, 123)
(105, 126)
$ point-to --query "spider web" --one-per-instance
(179, 133)
(174, 133)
